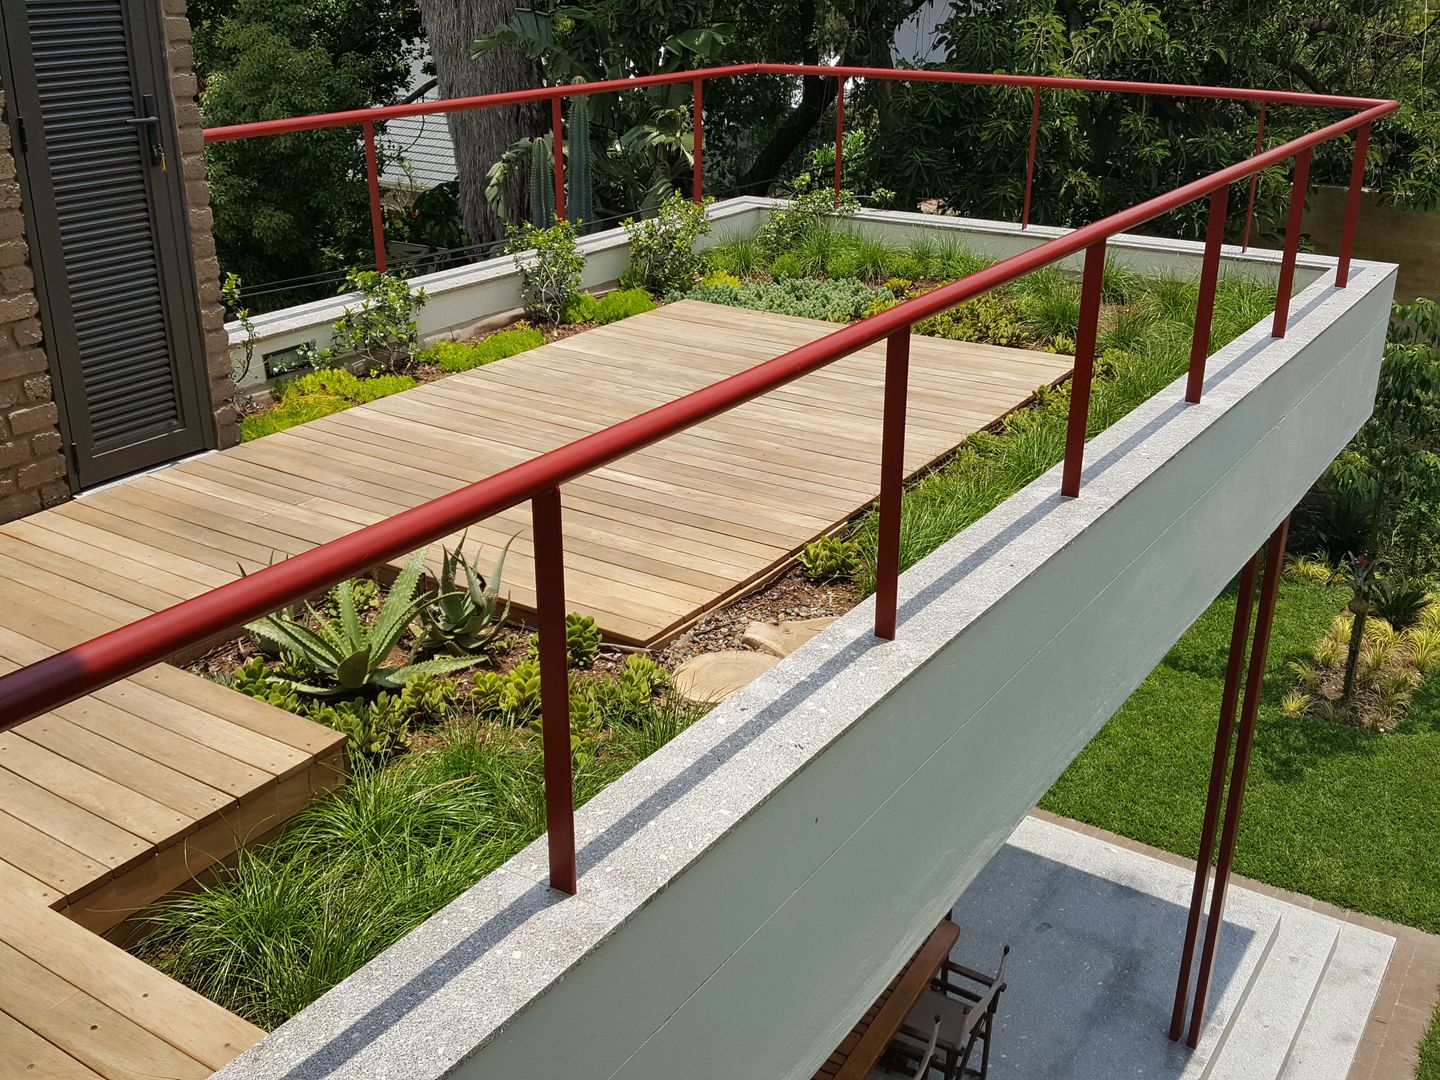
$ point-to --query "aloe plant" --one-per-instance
(347, 655)
(463, 619)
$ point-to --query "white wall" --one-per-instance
(749, 889)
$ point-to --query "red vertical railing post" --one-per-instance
(1084, 374)
(1205, 300)
(839, 134)
(372, 176)
(698, 124)
(1254, 181)
(557, 137)
(1030, 159)
(1254, 683)
(554, 688)
(1219, 765)
(1293, 225)
(1352, 206)
(892, 479)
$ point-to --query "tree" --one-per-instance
(294, 206)
(1101, 152)
(481, 136)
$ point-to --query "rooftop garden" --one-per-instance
(437, 687)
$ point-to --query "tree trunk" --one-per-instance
(481, 135)
(1352, 657)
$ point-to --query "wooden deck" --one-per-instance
(115, 800)
(650, 542)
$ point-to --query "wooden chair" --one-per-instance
(965, 1015)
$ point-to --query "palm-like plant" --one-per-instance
(463, 620)
(347, 655)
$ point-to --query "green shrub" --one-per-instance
(621, 304)
(788, 226)
(1049, 303)
(721, 277)
(829, 558)
(550, 262)
(465, 616)
(582, 641)
(382, 329)
(662, 248)
(455, 356)
(299, 410)
(991, 317)
(836, 300)
(738, 255)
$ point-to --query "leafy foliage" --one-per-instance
(261, 59)
(837, 300)
(463, 355)
(612, 307)
(381, 329)
(662, 248)
(550, 262)
(786, 227)
(319, 393)
(1099, 153)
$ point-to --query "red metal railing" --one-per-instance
(80, 670)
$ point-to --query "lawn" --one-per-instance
(1337, 813)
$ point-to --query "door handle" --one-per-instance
(150, 122)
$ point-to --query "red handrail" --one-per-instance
(91, 665)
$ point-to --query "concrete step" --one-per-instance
(1256, 1039)
(1325, 1045)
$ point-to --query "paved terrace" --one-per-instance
(113, 801)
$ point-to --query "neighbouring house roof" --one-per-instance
(418, 151)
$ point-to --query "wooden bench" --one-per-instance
(860, 1051)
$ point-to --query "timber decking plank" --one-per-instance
(90, 1031)
(23, 1053)
(190, 1023)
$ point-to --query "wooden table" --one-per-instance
(860, 1051)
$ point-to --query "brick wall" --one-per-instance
(32, 468)
(202, 237)
(32, 465)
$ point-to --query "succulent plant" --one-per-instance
(830, 557)
(580, 165)
(373, 729)
(641, 678)
(542, 183)
(346, 655)
(465, 617)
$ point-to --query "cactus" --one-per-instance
(542, 184)
(579, 167)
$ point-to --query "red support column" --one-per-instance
(892, 477)
(1254, 181)
(554, 688)
(698, 127)
(1084, 374)
(1293, 223)
(1219, 765)
(557, 138)
(839, 134)
(1352, 206)
(372, 175)
(1030, 160)
(1254, 682)
(1205, 301)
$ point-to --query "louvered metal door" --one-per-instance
(96, 143)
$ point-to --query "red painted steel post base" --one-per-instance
(892, 478)
(1244, 740)
(1205, 300)
(1084, 374)
(1030, 158)
(557, 140)
(554, 689)
(1296, 219)
(697, 186)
